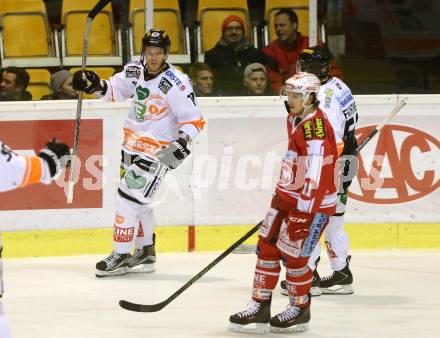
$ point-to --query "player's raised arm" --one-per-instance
(19, 171)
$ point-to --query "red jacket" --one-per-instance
(286, 56)
(308, 175)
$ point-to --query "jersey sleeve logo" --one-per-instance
(165, 85)
(314, 129)
(132, 72)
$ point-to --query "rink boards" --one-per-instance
(394, 202)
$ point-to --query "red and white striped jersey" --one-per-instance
(308, 174)
(162, 105)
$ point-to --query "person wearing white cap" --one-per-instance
(255, 80)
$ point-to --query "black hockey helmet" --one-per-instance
(156, 38)
(315, 60)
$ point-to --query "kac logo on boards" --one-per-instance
(405, 166)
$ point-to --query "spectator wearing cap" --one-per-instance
(61, 84)
(13, 84)
(202, 79)
(286, 48)
(255, 80)
(232, 54)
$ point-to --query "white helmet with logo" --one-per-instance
(303, 83)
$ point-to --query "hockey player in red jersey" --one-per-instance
(19, 171)
(337, 102)
(305, 197)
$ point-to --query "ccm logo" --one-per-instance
(403, 166)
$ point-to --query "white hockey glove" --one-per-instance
(174, 153)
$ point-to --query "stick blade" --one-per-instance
(140, 307)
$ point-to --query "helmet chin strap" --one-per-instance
(304, 103)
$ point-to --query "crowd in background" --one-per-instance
(234, 67)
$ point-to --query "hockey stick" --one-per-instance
(159, 306)
(387, 119)
(98, 7)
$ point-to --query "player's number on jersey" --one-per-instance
(6, 151)
(192, 97)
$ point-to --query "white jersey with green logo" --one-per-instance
(337, 102)
(161, 107)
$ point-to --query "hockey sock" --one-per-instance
(125, 226)
(298, 281)
(146, 227)
(267, 271)
(337, 242)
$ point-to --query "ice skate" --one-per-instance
(315, 290)
(143, 260)
(293, 319)
(253, 319)
(113, 265)
(339, 282)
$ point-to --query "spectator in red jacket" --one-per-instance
(286, 49)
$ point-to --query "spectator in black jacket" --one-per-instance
(232, 54)
(13, 84)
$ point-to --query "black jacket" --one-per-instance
(24, 95)
(229, 62)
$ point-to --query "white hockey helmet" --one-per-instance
(303, 83)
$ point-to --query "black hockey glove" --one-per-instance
(88, 83)
(173, 154)
(52, 153)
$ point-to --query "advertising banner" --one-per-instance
(231, 173)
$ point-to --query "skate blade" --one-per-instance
(118, 272)
(338, 290)
(142, 268)
(315, 291)
(295, 328)
(252, 328)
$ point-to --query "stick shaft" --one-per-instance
(157, 307)
(379, 127)
(71, 183)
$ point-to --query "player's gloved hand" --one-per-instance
(89, 82)
(174, 153)
(53, 154)
(298, 224)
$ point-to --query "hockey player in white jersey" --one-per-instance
(337, 101)
(163, 120)
(19, 171)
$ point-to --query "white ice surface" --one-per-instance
(397, 295)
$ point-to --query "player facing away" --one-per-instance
(163, 119)
(19, 171)
(337, 101)
(304, 199)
